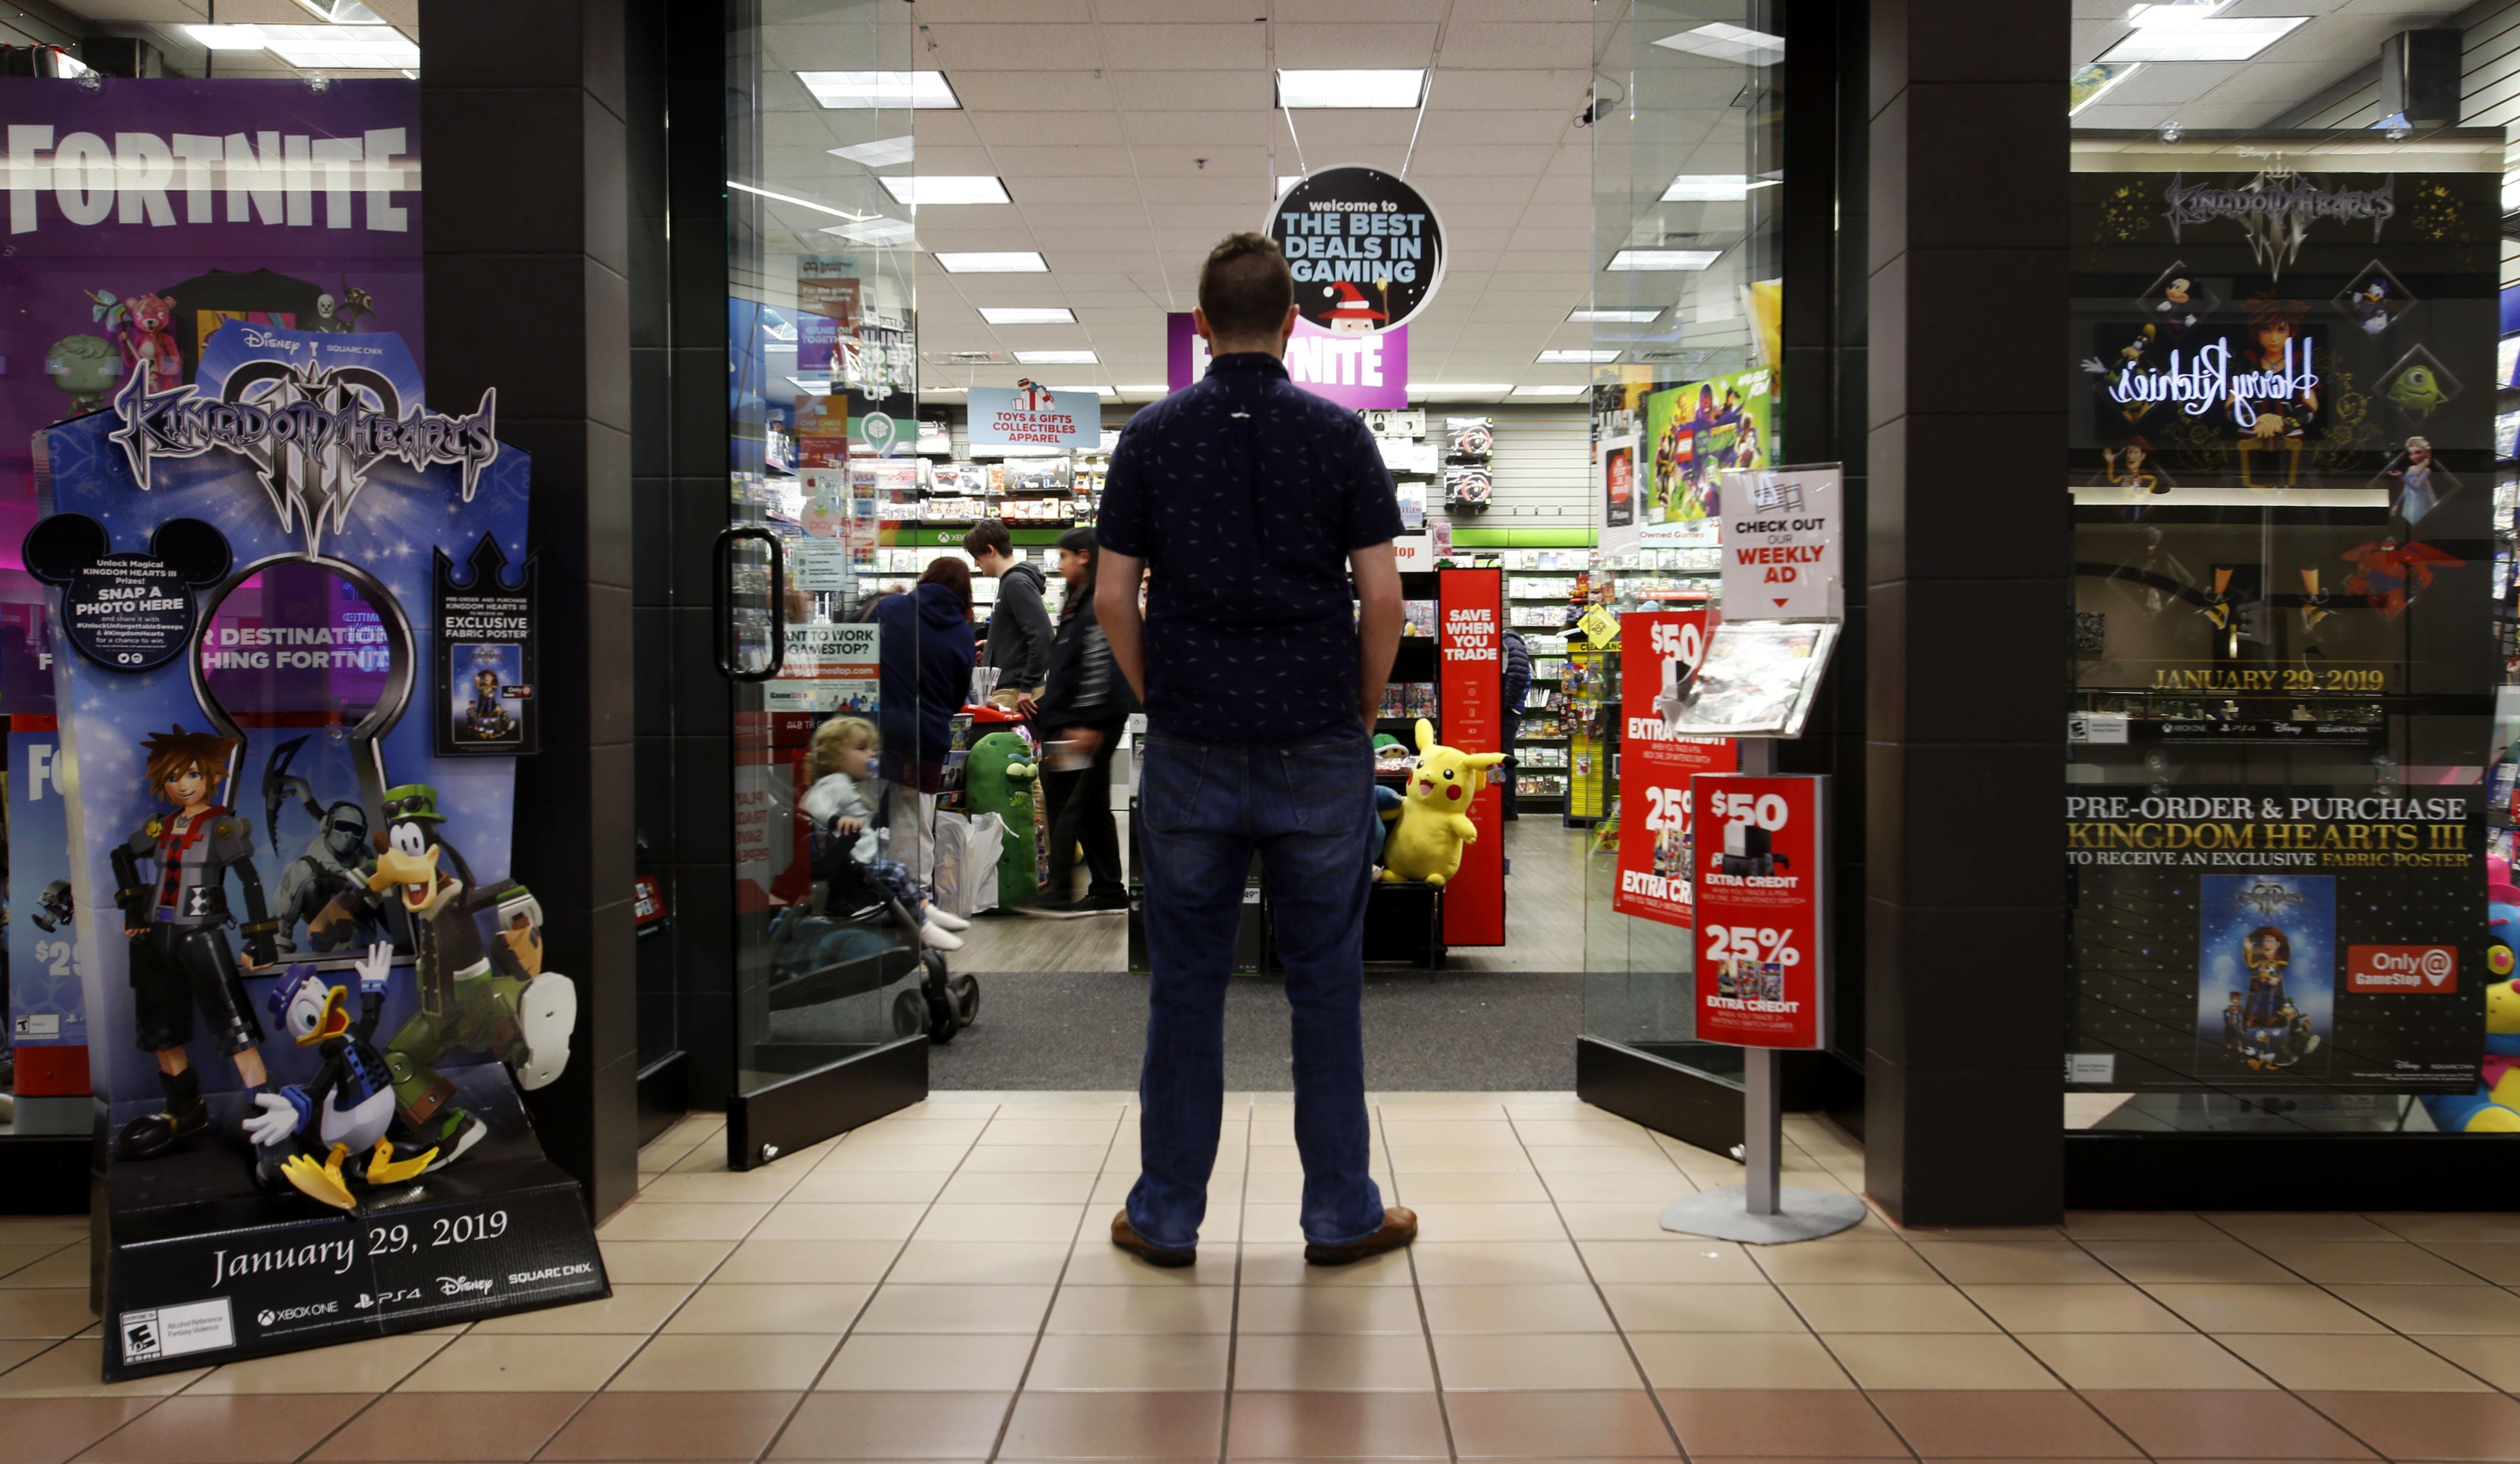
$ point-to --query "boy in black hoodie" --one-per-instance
(1019, 633)
(1081, 714)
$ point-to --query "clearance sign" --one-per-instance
(1655, 766)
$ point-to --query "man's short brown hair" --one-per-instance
(1245, 287)
(986, 535)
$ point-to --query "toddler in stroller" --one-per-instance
(843, 760)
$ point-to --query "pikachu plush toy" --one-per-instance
(1434, 820)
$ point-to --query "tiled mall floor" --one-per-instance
(940, 1286)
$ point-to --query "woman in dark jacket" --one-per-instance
(926, 653)
(1080, 714)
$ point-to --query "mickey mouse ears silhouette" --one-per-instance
(62, 545)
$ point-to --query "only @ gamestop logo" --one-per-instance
(2402, 970)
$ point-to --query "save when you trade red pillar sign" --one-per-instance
(1762, 862)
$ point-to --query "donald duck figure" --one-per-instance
(350, 1103)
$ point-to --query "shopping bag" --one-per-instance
(967, 862)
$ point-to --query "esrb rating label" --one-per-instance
(177, 1331)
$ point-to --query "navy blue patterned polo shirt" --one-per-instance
(1244, 495)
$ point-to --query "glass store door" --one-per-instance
(831, 1010)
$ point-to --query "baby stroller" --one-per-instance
(858, 939)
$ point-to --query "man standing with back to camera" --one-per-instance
(1247, 503)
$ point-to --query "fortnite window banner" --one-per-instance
(2282, 939)
(2282, 402)
(146, 214)
(315, 984)
(1663, 650)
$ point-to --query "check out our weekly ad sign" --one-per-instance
(1359, 369)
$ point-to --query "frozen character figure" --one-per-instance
(2274, 395)
(487, 720)
(1350, 312)
(85, 367)
(2389, 575)
(2370, 306)
(176, 923)
(2234, 1025)
(2267, 952)
(493, 998)
(2131, 466)
(2422, 484)
(842, 758)
(147, 341)
(2418, 392)
(349, 1106)
(332, 866)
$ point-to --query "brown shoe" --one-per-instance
(1399, 1227)
(1126, 1238)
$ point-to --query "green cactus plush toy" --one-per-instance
(999, 780)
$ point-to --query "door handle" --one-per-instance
(722, 557)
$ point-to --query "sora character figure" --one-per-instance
(349, 1106)
(492, 997)
(176, 922)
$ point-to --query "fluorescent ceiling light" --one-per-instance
(877, 232)
(942, 390)
(1286, 181)
(1143, 390)
(883, 153)
(1723, 42)
(2175, 15)
(1028, 315)
(997, 262)
(345, 48)
(1056, 358)
(1350, 88)
(1559, 356)
(2093, 82)
(341, 12)
(1547, 390)
(227, 37)
(881, 89)
(763, 192)
(1626, 317)
(1096, 390)
(1664, 259)
(1431, 389)
(2236, 39)
(1712, 187)
(818, 386)
(946, 188)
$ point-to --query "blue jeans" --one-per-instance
(1307, 807)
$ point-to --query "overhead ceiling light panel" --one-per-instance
(887, 90)
(1663, 259)
(1096, 390)
(992, 262)
(1712, 187)
(876, 233)
(227, 37)
(883, 153)
(1721, 42)
(932, 189)
(1058, 358)
(2238, 38)
(1143, 390)
(1286, 181)
(1551, 390)
(1576, 356)
(341, 12)
(1350, 89)
(1028, 315)
(1436, 391)
(341, 48)
(1583, 314)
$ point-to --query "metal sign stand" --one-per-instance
(1761, 1209)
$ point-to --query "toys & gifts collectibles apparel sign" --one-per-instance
(1656, 766)
(1034, 415)
(2280, 939)
(1762, 973)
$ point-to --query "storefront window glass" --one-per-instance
(2288, 758)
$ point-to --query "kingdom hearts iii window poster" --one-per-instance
(2265, 957)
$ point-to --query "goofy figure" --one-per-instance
(494, 999)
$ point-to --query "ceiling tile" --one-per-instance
(1352, 45)
(1518, 90)
(1003, 12)
(1247, 90)
(1014, 48)
(1483, 45)
(1247, 127)
(1166, 48)
(1031, 91)
(1007, 129)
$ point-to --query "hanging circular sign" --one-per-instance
(1365, 248)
